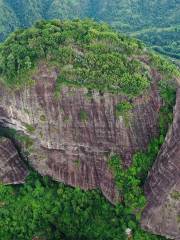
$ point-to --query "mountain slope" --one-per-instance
(8, 20)
(157, 22)
(27, 11)
(138, 14)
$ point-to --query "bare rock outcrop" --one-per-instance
(74, 134)
(12, 169)
(162, 214)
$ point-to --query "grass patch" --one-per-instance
(83, 115)
(30, 128)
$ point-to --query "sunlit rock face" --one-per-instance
(162, 214)
(12, 168)
(74, 134)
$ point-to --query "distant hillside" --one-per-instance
(157, 23)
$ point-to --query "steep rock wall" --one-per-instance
(162, 214)
(12, 168)
(75, 134)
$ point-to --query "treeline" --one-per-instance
(164, 41)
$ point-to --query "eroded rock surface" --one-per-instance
(74, 134)
(12, 169)
(162, 214)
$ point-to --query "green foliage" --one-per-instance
(168, 94)
(164, 40)
(129, 184)
(77, 163)
(16, 136)
(154, 22)
(175, 195)
(129, 181)
(30, 128)
(42, 208)
(163, 65)
(83, 115)
(86, 53)
(8, 20)
(123, 107)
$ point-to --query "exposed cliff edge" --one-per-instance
(75, 150)
(12, 169)
(162, 214)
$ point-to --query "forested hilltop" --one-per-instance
(155, 22)
(47, 59)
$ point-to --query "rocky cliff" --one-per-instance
(162, 214)
(74, 135)
(12, 168)
(76, 93)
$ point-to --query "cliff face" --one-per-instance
(162, 214)
(74, 134)
(12, 169)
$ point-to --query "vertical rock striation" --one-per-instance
(162, 214)
(74, 134)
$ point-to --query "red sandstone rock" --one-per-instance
(73, 150)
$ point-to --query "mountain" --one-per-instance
(90, 107)
(154, 22)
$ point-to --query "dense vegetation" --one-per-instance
(164, 40)
(84, 52)
(155, 22)
(51, 211)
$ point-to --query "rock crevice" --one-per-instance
(162, 188)
(12, 168)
